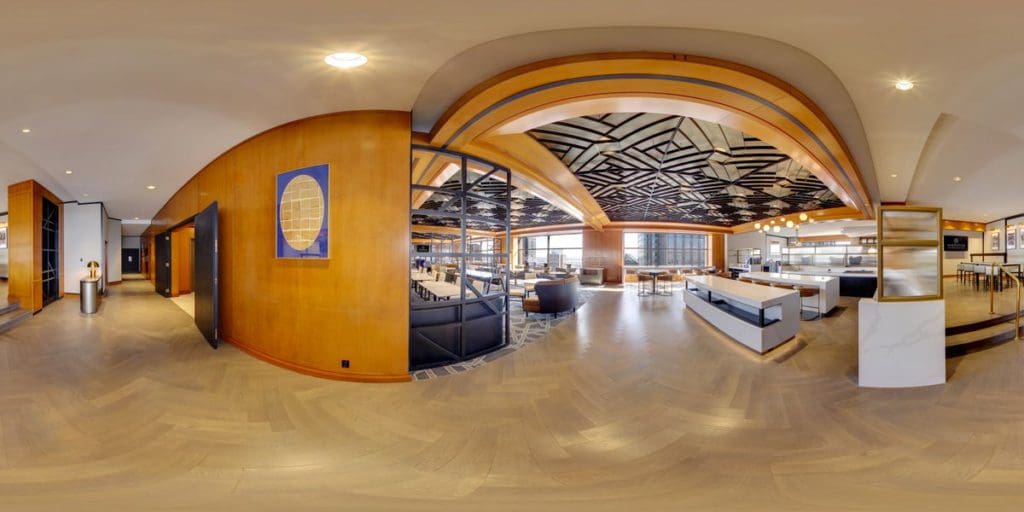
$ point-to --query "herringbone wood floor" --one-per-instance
(633, 405)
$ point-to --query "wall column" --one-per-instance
(24, 242)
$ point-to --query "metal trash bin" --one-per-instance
(89, 295)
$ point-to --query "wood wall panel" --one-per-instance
(181, 260)
(604, 249)
(308, 315)
(717, 252)
(24, 242)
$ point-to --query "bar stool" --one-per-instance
(807, 292)
(642, 280)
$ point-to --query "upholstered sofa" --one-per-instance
(554, 296)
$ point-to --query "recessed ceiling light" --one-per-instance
(346, 60)
(957, 179)
(85, 195)
(893, 175)
(904, 85)
(136, 218)
(69, 171)
(26, 130)
(151, 187)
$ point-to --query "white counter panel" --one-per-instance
(828, 296)
(779, 304)
(902, 344)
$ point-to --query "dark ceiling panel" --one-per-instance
(654, 167)
(528, 210)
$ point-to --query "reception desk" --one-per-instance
(759, 317)
(828, 287)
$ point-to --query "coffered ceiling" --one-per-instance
(659, 168)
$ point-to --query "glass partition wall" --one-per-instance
(460, 232)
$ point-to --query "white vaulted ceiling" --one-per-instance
(128, 94)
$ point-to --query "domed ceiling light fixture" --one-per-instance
(346, 60)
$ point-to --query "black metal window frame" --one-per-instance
(50, 235)
(471, 299)
(666, 249)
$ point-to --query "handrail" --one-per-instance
(992, 296)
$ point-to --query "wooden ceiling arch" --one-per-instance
(492, 119)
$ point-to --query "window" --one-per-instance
(665, 249)
(557, 251)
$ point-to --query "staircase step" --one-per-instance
(994, 320)
(6, 306)
(979, 339)
(12, 317)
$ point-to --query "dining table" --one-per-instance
(655, 275)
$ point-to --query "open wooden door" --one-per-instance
(162, 263)
(205, 273)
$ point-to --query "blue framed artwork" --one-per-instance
(302, 213)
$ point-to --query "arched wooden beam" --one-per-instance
(842, 213)
(730, 94)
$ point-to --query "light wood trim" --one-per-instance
(823, 238)
(449, 230)
(963, 225)
(498, 106)
(673, 227)
(652, 227)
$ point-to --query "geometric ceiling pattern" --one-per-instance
(527, 210)
(654, 167)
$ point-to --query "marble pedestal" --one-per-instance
(902, 344)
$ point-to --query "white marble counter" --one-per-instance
(745, 293)
(828, 296)
(901, 344)
(779, 307)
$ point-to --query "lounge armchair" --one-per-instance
(554, 296)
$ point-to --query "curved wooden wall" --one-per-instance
(490, 119)
(308, 315)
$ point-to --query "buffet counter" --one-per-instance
(759, 317)
(828, 286)
(853, 281)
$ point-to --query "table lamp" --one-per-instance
(92, 265)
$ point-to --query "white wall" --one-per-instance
(748, 240)
(1015, 255)
(83, 241)
(994, 228)
(3, 251)
(131, 242)
(975, 243)
(113, 250)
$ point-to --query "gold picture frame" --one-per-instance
(912, 242)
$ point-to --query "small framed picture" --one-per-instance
(1011, 239)
(995, 241)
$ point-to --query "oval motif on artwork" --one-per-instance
(301, 212)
